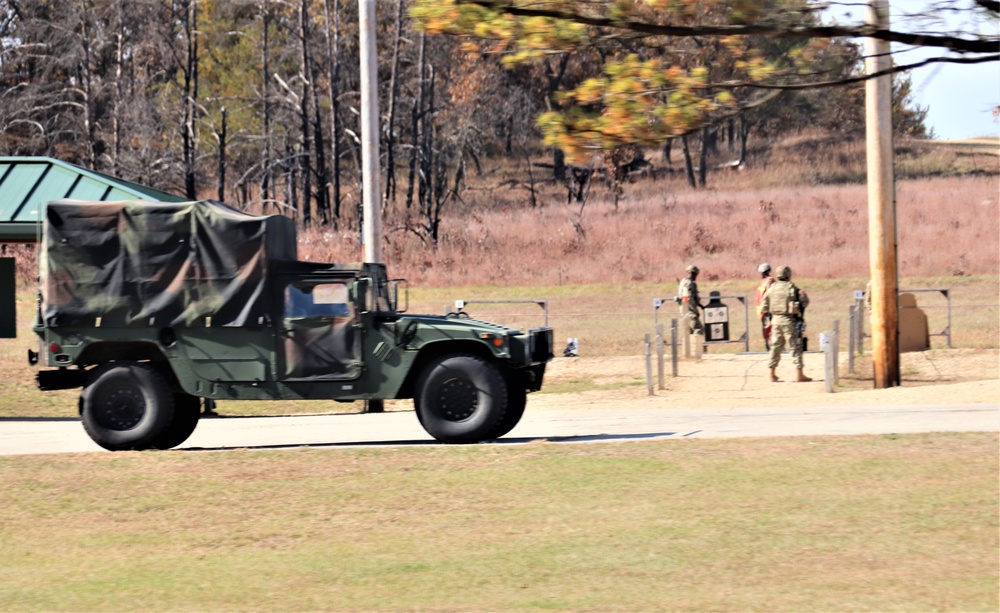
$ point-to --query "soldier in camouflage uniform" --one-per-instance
(786, 304)
(687, 297)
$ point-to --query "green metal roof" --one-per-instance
(27, 183)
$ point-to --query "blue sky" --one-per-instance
(960, 98)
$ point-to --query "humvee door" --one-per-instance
(318, 339)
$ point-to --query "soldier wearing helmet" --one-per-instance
(687, 297)
(786, 305)
(765, 320)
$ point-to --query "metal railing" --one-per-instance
(461, 304)
(857, 334)
(744, 337)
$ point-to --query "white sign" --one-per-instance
(717, 315)
(717, 331)
(859, 294)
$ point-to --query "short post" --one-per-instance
(746, 318)
(673, 346)
(836, 351)
(649, 366)
(947, 294)
(699, 345)
(659, 357)
(687, 338)
(859, 327)
(852, 321)
(826, 343)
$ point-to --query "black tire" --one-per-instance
(460, 399)
(517, 399)
(126, 405)
(187, 412)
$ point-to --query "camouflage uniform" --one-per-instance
(687, 297)
(786, 304)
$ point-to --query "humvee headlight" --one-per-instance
(492, 339)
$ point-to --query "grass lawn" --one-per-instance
(888, 523)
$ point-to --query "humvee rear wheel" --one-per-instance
(126, 406)
(187, 412)
(461, 399)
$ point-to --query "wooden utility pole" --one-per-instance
(371, 233)
(881, 204)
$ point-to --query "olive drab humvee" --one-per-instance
(152, 307)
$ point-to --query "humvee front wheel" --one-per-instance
(461, 399)
(517, 399)
(126, 406)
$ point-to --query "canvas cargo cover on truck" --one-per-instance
(140, 263)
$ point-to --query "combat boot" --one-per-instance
(774, 376)
(802, 378)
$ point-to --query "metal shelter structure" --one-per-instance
(27, 183)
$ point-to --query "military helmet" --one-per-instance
(692, 269)
(764, 268)
(784, 273)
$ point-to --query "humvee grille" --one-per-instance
(541, 344)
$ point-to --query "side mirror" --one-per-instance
(399, 306)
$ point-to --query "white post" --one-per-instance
(836, 351)
(673, 347)
(659, 357)
(649, 365)
(371, 233)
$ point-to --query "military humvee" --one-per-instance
(151, 307)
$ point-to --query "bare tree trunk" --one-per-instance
(703, 157)
(265, 184)
(322, 172)
(414, 155)
(333, 91)
(688, 165)
(222, 159)
(744, 132)
(430, 135)
(390, 138)
(291, 178)
(306, 150)
(86, 39)
(531, 178)
(190, 97)
(419, 138)
(555, 77)
(116, 105)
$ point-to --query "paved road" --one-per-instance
(44, 436)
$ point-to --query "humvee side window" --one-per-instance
(325, 300)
